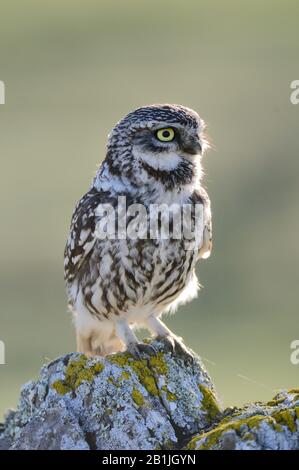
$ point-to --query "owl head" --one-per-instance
(161, 139)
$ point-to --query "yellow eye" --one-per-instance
(165, 135)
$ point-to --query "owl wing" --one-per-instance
(82, 238)
(200, 196)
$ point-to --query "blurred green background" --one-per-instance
(71, 70)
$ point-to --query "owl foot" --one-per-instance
(176, 347)
(136, 349)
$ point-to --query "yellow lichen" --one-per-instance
(125, 375)
(77, 372)
(209, 402)
(171, 396)
(140, 367)
(60, 387)
(192, 444)
(212, 439)
(285, 418)
(244, 427)
(137, 397)
(275, 402)
(158, 364)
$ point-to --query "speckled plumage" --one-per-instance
(116, 284)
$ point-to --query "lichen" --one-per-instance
(119, 409)
(125, 375)
(275, 402)
(286, 418)
(60, 387)
(209, 403)
(171, 396)
(140, 367)
(245, 428)
(137, 397)
(77, 371)
(158, 364)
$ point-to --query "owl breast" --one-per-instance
(138, 277)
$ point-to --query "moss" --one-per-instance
(294, 390)
(296, 409)
(209, 403)
(285, 418)
(137, 397)
(76, 372)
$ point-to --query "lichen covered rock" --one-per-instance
(258, 426)
(156, 402)
(162, 401)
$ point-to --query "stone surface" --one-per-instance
(257, 426)
(156, 402)
(119, 402)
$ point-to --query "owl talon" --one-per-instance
(136, 349)
(176, 346)
(168, 341)
(184, 352)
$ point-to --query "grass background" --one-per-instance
(71, 70)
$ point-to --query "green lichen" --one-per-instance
(286, 418)
(192, 444)
(275, 402)
(125, 375)
(158, 364)
(137, 397)
(209, 402)
(245, 426)
(76, 372)
(60, 387)
(171, 396)
(140, 366)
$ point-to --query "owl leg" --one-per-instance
(127, 336)
(160, 330)
(84, 345)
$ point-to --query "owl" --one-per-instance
(117, 283)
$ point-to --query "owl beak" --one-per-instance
(192, 146)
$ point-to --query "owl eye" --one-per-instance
(165, 135)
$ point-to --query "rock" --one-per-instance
(116, 403)
(157, 402)
(258, 426)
